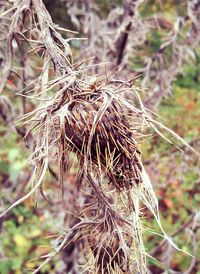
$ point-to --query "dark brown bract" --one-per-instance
(105, 136)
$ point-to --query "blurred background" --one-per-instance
(156, 43)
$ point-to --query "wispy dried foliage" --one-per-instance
(85, 122)
(124, 33)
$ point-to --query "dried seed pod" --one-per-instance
(104, 132)
(109, 252)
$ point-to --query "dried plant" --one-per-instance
(86, 121)
(119, 38)
(183, 44)
(107, 38)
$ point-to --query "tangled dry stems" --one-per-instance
(89, 117)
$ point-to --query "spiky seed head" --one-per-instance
(112, 145)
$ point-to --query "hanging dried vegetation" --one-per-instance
(87, 117)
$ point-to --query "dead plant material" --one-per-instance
(98, 127)
(87, 118)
